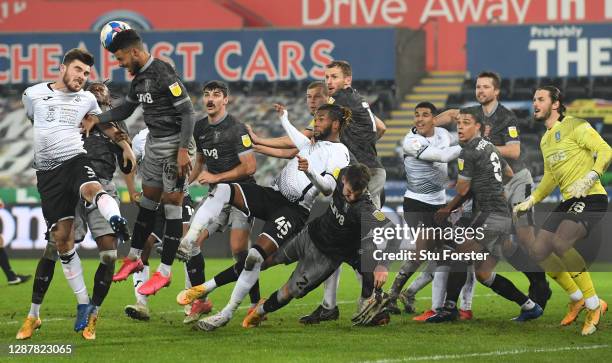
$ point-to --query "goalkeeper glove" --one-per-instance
(524, 206)
(580, 188)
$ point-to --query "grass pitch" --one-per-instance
(490, 336)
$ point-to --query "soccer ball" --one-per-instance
(110, 30)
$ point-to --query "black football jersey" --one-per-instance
(481, 163)
(222, 144)
(159, 90)
(102, 152)
(502, 129)
(340, 231)
(360, 135)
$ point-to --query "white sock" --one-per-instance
(73, 270)
(165, 270)
(576, 295)
(420, 282)
(467, 291)
(139, 279)
(438, 287)
(134, 253)
(34, 310)
(592, 302)
(210, 285)
(528, 305)
(330, 288)
(208, 211)
(245, 282)
(107, 206)
(187, 281)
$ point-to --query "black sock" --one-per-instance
(254, 293)
(505, 288)
(145, 222)
(195, 269)
(172, 239)
(455, 282)
(521, 261)
(102, 284)
(367, 284)
(229, 275)
(398, 284)
(6, 266)
(42, 279)
(272, 304)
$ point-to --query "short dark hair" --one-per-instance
(78, 54)
(555, 95)
(215, 84)
(428, 105)
(337, 113)
(343, 65)
(319, 84)
(493, 75)
(102, 93)
(471, 111)
(358, 176)
(125, 39)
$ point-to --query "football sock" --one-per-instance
(245, 282)
(456, 280)
(102, 284)
(438, 286)
(330, 288)
(73, 270)
(6, 266)
(140, 278)
(421, 281)
(195, 269)
(254, 293)
(34, 310)
(187, 281)
(398, 284)
(145, 222)
(505, 288)
(578, 271)
(274, 303)
(576, 296)
(521, 261)
(42, 280)
(172, 239)
(467, 291)
(556, 269)
(107, 205)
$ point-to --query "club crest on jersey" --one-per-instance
(460, 164)
(175, 89)
(380, 216)
(246, 141)
(558, 136)
(512, 131)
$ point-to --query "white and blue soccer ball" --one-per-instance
(110, 30)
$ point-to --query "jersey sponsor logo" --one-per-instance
(380, 216)
(175, 89)
(557, 157)
(246, 141)
(512, 131)
(339, 216)
(46, 98)
(460, 164)
(331, 100)
(145, 97)
(211, 153)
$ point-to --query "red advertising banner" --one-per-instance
(445, 21)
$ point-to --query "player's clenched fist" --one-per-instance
(524, 206)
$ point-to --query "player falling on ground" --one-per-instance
(360, 138)
(284, 207)
(12, 277)
(65, 175)
(193, 272)
(326, 242)
(224, 155)
(169, 115)
(481, 171)
(568, 146)
(501, 128)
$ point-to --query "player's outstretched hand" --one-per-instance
(280, 109)
(441, 215)
(129, 159)
(135, 197)
(207, 177)
(523, 206)
(302, 163)
(183, 162)
(252, 134)
(580, 188)
(88, 123)
(380, 276)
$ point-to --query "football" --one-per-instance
(110, 30)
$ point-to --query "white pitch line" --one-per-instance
(489, 354)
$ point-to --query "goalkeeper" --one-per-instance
(568, 148)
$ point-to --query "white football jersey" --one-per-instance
(56, 116)
(324, 157)
(426, 179)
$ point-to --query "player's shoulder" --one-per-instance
(158, 64)
(442, 132)
(504, 113)
(413, 135)
(90, 96)
(38, 89)
(573, 122)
